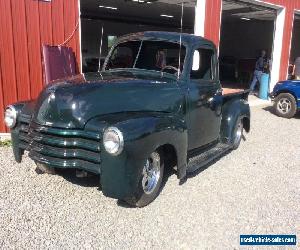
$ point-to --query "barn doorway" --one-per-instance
(246, 30)
(120, 17)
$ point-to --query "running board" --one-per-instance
(207, 157)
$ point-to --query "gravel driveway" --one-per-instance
(254, 190)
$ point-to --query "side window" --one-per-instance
(203, 65)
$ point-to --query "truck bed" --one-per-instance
(230, 91)
(233, 88)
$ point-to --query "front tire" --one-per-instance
(285, 105)
(149, 182)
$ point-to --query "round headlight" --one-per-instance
(10, 116)
(113, 141)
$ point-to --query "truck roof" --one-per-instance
(188, 39)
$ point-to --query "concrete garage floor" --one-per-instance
(254, 190)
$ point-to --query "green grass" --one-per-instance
(5, 143)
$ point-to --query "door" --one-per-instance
(204, 99)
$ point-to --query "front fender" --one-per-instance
(143, 134)
(231, 112)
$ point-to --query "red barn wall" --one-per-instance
(25, 25)
(213, 21)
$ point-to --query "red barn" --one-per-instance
(239, 27)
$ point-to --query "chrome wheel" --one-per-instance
(284, 105)
(149, 180)
(151, 173)
(238, 133)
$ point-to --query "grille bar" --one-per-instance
(25, 118)
(66, 132)
(65, 142)
(24, 127)
(24, 137)
(61, 163)
(65, 153)
(63, 148)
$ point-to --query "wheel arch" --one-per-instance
(232, 111)
(170, 155)
(286, 91)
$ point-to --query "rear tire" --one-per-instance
(238, 133)
(285, 105)
(150, 181)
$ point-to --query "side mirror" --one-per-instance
(196, 61)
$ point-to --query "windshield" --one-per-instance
(147, 55)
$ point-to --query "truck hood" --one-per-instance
(71, 102)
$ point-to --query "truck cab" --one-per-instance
(156, 104)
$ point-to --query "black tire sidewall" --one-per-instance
(293, 110)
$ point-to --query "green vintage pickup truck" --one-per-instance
(157, 104)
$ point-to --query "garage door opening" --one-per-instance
(295, 44)
(246, 30)
(120, 17)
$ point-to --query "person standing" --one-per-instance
(296, 70)
(259, 69)
(161, 60)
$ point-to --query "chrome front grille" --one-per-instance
(64, 148)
